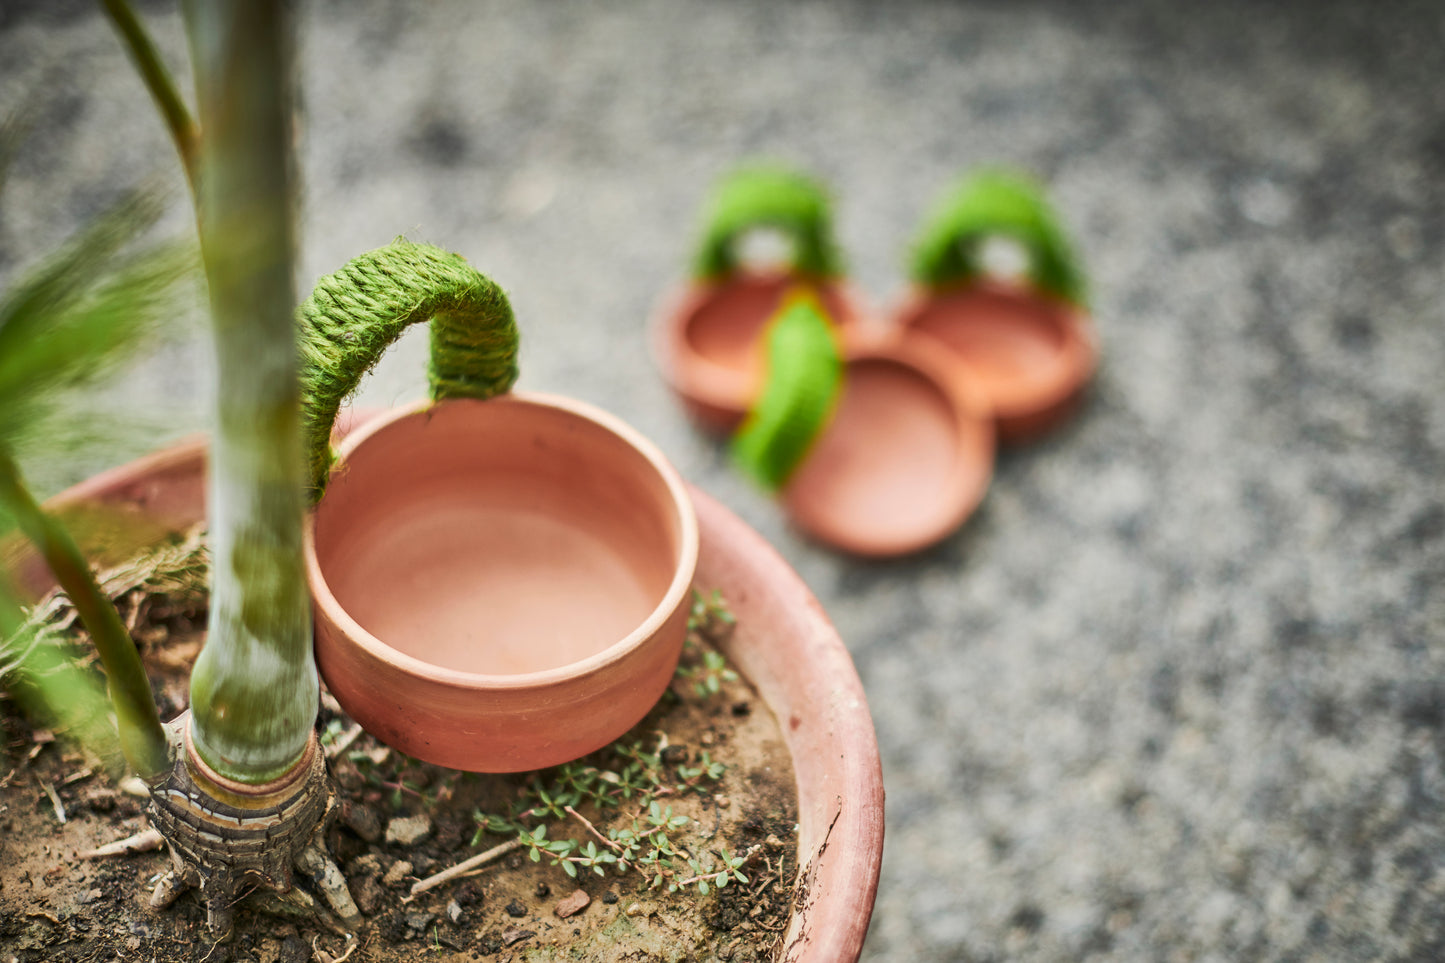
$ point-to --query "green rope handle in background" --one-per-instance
(352, 316)
(996, 203)
(776, 197)
(803, 382)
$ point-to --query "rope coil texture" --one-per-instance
(776, 197)
(994, 203)
(354, 315)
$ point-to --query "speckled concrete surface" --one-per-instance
(1177, 692)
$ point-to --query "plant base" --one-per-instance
(227, 838)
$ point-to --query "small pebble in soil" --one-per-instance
(398, 873)
(572, 905)
(362, 820)
(722, 801)
(543, 891)
(408, 830)
(610, 897)
(516, 910)
(674, 755)
(515, 936)
(454, 911)
(294, 950)
(366, 891)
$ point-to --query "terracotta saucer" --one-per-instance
(1030, 355)
(707, 339)
(1024, 335)
(904, 461)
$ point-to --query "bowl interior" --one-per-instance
(501, 537)
(898, 466)
(1014, 347)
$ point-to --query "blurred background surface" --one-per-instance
(1177, 691)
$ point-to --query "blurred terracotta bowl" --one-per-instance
(707, 339)
(905, 459)
(500, 585)
(1030, 355)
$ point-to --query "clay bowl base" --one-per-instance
(784, 644)
(500, 585)
(709, 345)
(905, 459)
(1029, 355)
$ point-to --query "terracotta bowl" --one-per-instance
(1030, 355)
(500, 585)
(707, 340)
(906, 458)
(784, 645)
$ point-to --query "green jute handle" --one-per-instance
(768, 196)
(803, 382)
(996, 203)
(353, 316)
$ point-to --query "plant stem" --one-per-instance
(254, 689)
(160, 83)
(141, 737)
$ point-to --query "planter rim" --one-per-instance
(809, 681)
(676, 595)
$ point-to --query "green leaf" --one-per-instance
(996, 203)
(803, 382)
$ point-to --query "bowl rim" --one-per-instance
(685, 565)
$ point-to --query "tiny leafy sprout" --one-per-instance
(707, 769)
(709, 615)
(331, 733)
(709, 677)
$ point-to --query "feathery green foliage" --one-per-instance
(768, 196)
(804, 375)
(996, 203)
(83, 311)
(64, 324)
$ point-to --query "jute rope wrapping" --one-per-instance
(353, 315)
(993, 203)
(775, 197)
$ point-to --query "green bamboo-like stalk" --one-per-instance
(141, 737)
(254, 688)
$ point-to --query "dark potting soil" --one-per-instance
(400, 821)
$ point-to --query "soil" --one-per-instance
(400, 820)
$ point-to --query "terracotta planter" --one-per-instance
(1029, 355)
(500, 581)
(784, 645)
(500, 585)
(905, 459)
(707, 339)
(707, 336)
(1027, 344)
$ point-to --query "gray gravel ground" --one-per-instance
(1177, 692)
